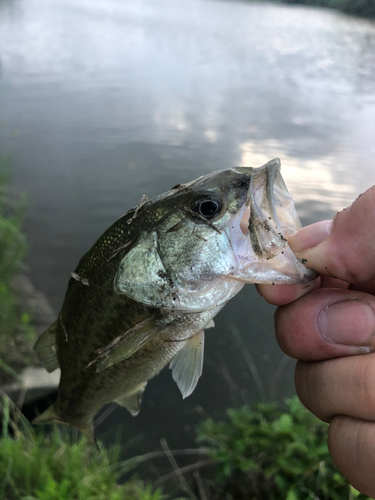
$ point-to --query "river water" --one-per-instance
(102, 102)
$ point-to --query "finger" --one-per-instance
(329, 282)
(327, 323)
(345, 250)
(280, 295)
(365, 287)
(352, 441)
(343, 386)
(283, 294)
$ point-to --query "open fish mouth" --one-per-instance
(264, 223)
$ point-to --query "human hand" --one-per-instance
(329, 325)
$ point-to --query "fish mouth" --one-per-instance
(264, 223)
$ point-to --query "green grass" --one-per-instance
(50, 467)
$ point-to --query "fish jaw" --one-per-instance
(260, 230)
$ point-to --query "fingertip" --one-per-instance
(343, 248)
(310, 236)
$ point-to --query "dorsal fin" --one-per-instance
(132, 402)
(45, 348)
(187, 365)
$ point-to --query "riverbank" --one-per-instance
(16, 332)
(360, 8)
(24, 312)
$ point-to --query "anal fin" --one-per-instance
(45, 348)
(187, 365)
(132, 402)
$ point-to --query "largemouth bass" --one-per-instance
(143, 295)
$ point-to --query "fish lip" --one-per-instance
(266, 235)
(272, 219)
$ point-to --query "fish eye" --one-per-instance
(209, 206)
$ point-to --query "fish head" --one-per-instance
(198, 244)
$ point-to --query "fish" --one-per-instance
(143, 295)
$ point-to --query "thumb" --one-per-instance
(345, 247)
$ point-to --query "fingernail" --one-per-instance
(351, 322)
(309, 236)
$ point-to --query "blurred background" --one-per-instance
(102, 102)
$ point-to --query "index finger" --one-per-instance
(348, 250)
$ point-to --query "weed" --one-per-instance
(272, 453)
(49, 467)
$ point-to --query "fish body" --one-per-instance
(142, 296)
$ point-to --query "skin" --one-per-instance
(330, 328)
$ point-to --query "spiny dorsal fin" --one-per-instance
(132, 402)
(45, 348)
(126, 344)
(187, 365)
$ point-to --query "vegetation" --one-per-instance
(363, 8)
(273, 453)
(16, 333)
(48, 467)
(265, 453)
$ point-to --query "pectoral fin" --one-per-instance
(132, 402)
(187, 365)
(45, 348)
(123, 346)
